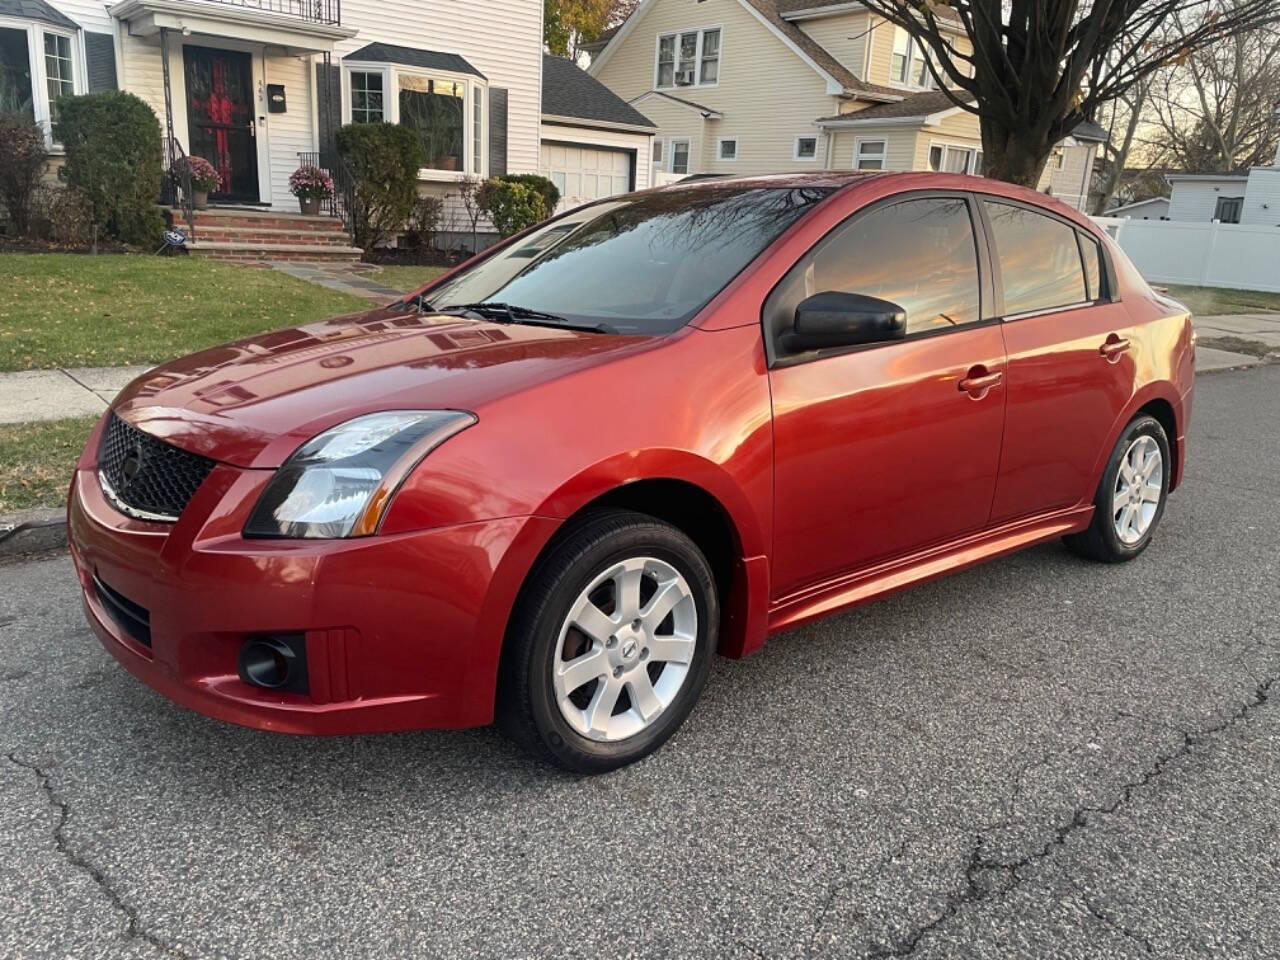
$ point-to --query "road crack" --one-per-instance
(986, 878)
(134, 929)
(835, 889)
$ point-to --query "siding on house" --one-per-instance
(500, 38)
(676, 122)
(899, 147)
(768, 96)
(845, 35)
(1070, 182)
(1196, 200)
(1263, 190)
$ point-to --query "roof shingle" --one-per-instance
(36, 10)
(413, 57)
(569, 91)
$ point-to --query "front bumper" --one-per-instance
(401, 632)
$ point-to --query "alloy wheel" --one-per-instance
(625, 649)
(1139, 487)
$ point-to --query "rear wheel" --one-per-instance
(611, 644)
(1131, 495)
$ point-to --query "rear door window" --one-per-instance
(1039, 260)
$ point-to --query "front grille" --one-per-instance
(146, 477)
(128, 616)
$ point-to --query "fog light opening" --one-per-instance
(268, 662)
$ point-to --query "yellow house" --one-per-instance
(755, 86)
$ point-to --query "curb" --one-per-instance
(35, 531)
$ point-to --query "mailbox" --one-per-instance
(275, 98)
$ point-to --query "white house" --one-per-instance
(1251, 197)
(1153, 208)
(256, 86)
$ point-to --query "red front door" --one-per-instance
(220, 118)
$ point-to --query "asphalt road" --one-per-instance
(1040, 757)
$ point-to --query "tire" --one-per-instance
(613, 565)
(1122, 529)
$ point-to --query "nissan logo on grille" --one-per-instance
(130, 466)
(145, 477)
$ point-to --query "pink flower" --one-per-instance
(310, 182)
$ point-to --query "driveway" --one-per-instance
(1040, 757)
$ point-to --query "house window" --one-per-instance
(15, 72)
(58, 69)
(37, 65)
(946, 158)
(447, 112)
(366, 97)
(679, 156)
(1228, 209)
(806, 147)
(727, 148)
(709, 67)
(435, 108)
(688, 59)
(657, 152)
(869, 155)
(907, 64)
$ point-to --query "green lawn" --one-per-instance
(36, 460)
(69, 310)
(406, 278)
(1207, 301)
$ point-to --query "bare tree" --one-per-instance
(1040, 67)
(1215, 109)
(1121, 119)
(469, 188)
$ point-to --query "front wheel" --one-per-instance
(611, 644)
(1131, 495)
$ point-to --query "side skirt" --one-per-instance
(891, 576)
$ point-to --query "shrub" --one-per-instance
(113, 154)
(383, 160)
(544, 188)
(204, 177)
(22, 159)
(309, 182)
(62, 214)
(424, 221)
(512, 206)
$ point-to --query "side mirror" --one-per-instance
(844, 320)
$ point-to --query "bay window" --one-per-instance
(446, 111)
(690, 58)
(38, 64)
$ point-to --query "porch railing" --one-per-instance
(175, 190)
(313, 11)
(341, 204)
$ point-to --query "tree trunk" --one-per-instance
(1015, 156)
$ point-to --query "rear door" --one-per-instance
(887, 448)
(1072, 355)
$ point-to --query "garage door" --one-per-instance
(585, 173)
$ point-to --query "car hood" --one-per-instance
(251, 403)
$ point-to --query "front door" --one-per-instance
(890, 448)
(220, 119)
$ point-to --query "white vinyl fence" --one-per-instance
(1246, 257)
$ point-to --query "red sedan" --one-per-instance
(551, 485)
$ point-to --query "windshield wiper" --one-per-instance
(510, 313)
(417, 301)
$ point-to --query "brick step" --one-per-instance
(261, 235)
(242, 217)
(261, 252)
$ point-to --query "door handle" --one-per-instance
(1113, 347)
(978, 381)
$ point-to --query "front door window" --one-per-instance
(220, 105)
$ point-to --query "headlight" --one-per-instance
(339, 483)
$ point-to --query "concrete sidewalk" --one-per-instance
(343, 277)
(58, 394)
(82, 391)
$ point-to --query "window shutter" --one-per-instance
(100, 61)
(497, 132)
(327, 113)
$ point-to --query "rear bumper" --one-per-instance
(401, 632)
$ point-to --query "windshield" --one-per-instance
(635, 265)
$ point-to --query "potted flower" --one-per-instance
(310, 185)
(203, 178)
